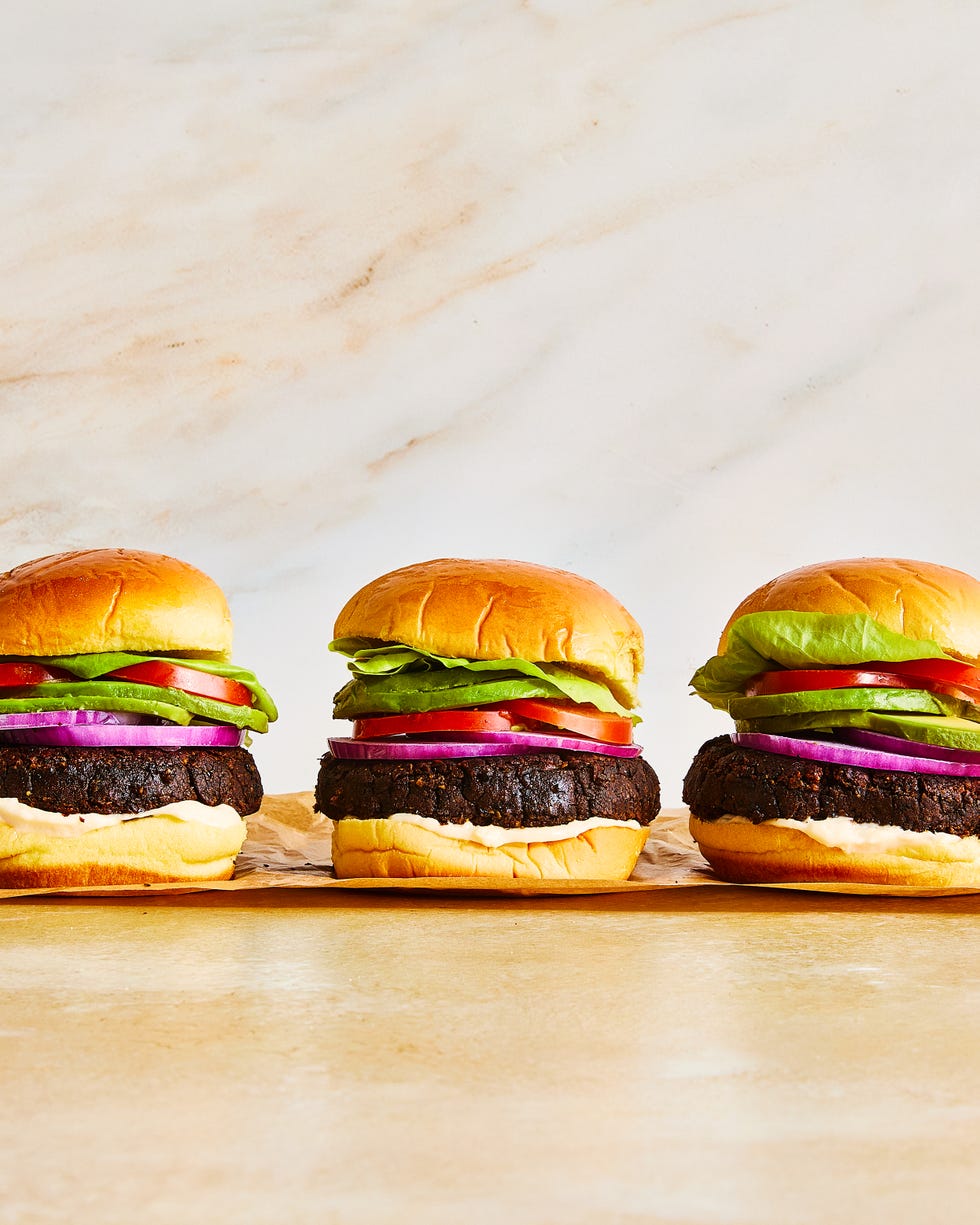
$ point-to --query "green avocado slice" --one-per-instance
(771, 705)
(173, 704)
(940, 730)
(453, 688)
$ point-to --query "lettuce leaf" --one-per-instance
(761, 642)
(396, 679)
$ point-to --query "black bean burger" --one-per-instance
(122, 723)
(855, 690)
(492, 706)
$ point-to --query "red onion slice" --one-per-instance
(909, 748)
(59, 718)
(476, 744)
(835, 753)
(413, 750)
(572, 744)
(118, 736)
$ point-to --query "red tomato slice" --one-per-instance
(573, 717)
(946, 671)
(913, 674)
(803, 680)
(18, 673)
(420, 724)
(954, 691)
(173, 676)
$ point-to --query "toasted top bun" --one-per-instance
(914, 598)
(496, 609)
(100, 600)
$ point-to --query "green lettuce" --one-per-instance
(396, 679)
(764, 641)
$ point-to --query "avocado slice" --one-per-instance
(941, 730)
(770, 705)
(948, 733)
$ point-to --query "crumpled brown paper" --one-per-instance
(288, 847)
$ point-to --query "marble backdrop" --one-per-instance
(677, 295)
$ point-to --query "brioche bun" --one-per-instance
(392, 848)
(493, 609)
(147, 850)
(765, 854)
(104, 600)
(916, 826)
(918, 599)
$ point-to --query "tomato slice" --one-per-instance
(573, 717)
(174, 676)
(958, 681)
(803, 680)
(18, 673)
(954, 691)
(945, 671)
(423, 722)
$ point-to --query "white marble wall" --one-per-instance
(675, 294)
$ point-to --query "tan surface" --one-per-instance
(699, 1055)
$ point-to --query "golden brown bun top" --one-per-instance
(493, 609)
(98, 600)
(916, 598)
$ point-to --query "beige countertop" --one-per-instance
(701, 1055)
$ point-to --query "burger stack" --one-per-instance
(123, 723)
(492, 705)
(855, 690)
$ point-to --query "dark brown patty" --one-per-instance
(128, 780)
(523, 792)
(726, 779)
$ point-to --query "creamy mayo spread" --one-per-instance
(496, 835)
(27, 820)
(853, 837)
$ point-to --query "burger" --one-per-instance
(122, 723)
(855, 690)
(493, 712)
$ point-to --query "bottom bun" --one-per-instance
(381, 847)
(766, 853)
(147, 850)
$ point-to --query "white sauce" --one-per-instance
(27, 820)
(496, 835)
(845, 834)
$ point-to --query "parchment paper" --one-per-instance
(288, 847)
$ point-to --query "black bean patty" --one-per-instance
(100, 780)
(726, 779)
(523, 792)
